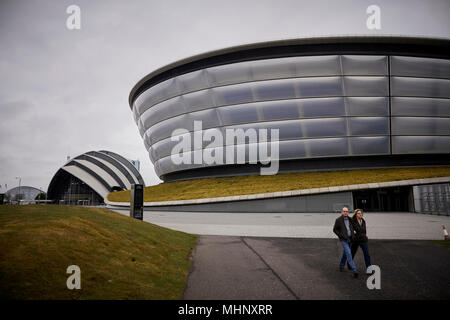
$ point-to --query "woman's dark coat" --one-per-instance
(360, 234)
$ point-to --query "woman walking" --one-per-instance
(360, 236)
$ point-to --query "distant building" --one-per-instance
(22, 193)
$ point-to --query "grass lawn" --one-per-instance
(444, 243)
(242, 185)
(119, 257)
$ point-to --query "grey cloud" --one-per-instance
(66, 92)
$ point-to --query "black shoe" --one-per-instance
(341, 269)
(355, 274)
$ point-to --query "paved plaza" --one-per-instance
(407, 226)
(250, 268)
(296, 255)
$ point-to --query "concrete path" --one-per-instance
(286, 268)
(298, 225)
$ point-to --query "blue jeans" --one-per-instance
(347, 255)
(365, 248)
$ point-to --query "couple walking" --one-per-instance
(352, 234)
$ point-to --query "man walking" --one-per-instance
(344, 230)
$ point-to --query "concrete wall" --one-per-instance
(330, 202)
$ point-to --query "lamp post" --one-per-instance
(70, 190)
(20, 181)
(40, 194)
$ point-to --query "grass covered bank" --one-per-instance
(444, 243)
(242, 185)
(119, 257)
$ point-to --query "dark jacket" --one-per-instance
(361, 232)
(340, 230)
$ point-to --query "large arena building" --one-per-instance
(339, 103)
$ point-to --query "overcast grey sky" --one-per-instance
(65, 92)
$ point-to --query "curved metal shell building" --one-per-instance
(89, 177)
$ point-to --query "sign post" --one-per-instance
(137, 201)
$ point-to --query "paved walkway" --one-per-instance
(283, 268)
(236, 259)
(298, 225)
